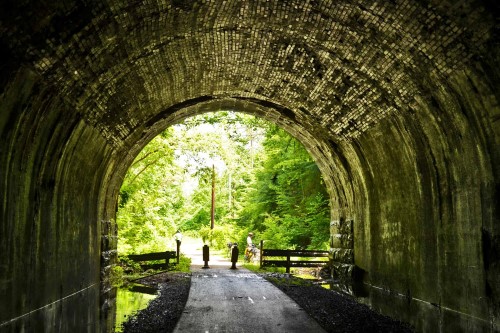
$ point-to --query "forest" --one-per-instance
(264, 181)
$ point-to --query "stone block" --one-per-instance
(341, 226)
(342, 255)
(108, 257)
(342, 271)
(341, 241)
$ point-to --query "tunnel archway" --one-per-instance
(397, 101)
(219, 110)
(342, 252)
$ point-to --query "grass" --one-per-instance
(119, 278)
(184, 264)
(302, 279)
(256, 268)
(306, 276)
(289, 281)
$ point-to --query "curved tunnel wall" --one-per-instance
(51, 176)
(397, 102)
(423, 227)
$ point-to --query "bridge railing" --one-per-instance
(167, 255)
(290, 258)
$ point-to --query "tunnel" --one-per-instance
(397, 101)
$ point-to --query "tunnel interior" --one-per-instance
(396, 101)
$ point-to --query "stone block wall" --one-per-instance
(342, 249)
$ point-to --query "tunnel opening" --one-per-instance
(234, 172)
(241, 105)
(232, 149)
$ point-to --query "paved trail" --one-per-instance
(225, 300)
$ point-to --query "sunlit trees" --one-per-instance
(151, 192)
(265, 182)
(287, 204)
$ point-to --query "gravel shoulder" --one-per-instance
(334, 311)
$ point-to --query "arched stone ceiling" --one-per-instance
(339, 65)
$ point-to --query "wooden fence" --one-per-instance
(288, 254)
(167, 255)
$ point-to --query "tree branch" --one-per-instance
(142, 170)
(144, 157)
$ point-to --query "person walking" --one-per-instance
(249, 250)
(249, 240)
(178, 240)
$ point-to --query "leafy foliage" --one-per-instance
(288, 204)
(265, 182)
(149, 195)
(184, 264)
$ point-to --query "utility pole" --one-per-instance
(229, 197)
(212, 212)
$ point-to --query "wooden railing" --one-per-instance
(289, 254)
(167, 255)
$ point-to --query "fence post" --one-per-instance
(288, 261)
(261, 252)
(178, 250)
(234, 255)
(206, 256)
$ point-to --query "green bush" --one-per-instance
(218, 237)
(129, 266)
(184, 264)
(116, 276)
(256, 268)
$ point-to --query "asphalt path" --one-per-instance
(236, 300)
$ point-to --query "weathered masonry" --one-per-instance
(398, 101)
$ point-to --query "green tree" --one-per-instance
(150, 194)
(265, 182)
(288, 203)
